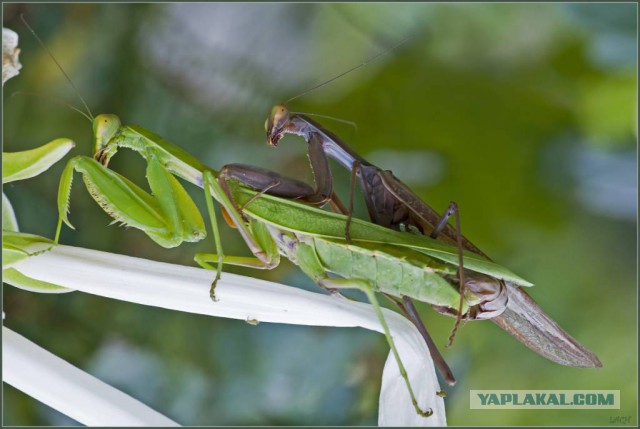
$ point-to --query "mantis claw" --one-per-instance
(212, 291)
(427, 413)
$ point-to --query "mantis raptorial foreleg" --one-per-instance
(268, 181)
(168, 217)
(319, 164)
(274, 184)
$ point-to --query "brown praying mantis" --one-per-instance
(393, 204)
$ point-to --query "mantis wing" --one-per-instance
(528, 323)
(297, 217)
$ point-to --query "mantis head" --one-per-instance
(105, 127)
(276, 124)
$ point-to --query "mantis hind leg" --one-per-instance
(375, 197)
(366, 287)
(202, 259)
(410, 311)
(452, 210)
(205, 259)
(269, 182)
(352, 191)
(311, 265)
(257, 238)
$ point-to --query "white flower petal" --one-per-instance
(395, 407)
(9, 221)
(62, 386)
(10, 64)
(186, 289)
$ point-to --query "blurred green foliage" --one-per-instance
(525, 115)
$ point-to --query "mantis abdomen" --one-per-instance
(408, 274)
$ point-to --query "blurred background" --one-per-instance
(524, 114)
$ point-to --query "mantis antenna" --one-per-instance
(333, 118)
(370, 60)
(58, 64)
(70, 106)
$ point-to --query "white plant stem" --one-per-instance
(182, 288)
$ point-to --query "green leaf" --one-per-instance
(17, 279)
(9, 221)
(30, 163)
(17, 246)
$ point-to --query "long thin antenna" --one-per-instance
(58, 64)
(46, 97)
(344, 121)
(370, 60)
